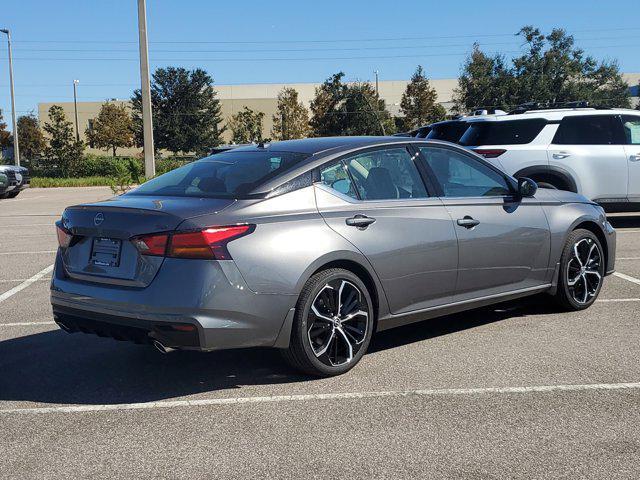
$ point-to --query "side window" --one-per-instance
(631, 125)
(336, 177)
(463, 176)
(386, 174)
(588, 130)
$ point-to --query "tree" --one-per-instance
(291, 119)
(112, 129)
(246, 126)
(186, 111)
(6, 139)
(552, 70)
(32, 142)
(63, 151)
(342, 109)
(419, 102)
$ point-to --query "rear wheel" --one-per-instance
(581, 271)
(13, 194)
(333, 324)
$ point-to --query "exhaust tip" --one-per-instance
(162, 348)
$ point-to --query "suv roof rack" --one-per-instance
(525, 107)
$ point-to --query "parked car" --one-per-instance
(311, 246)
(17, 180)
(595, 152)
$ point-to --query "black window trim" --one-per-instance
(513, 186)
(415, 155)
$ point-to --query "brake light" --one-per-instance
(154, 245)
(209, 244)
(489, 153)
(64, 235)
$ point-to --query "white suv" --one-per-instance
(595, 152)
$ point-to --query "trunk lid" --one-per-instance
(101, 250)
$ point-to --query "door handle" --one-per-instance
(561, 155)
(360, 221)
(635, 158)
(468, 222)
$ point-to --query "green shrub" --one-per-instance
(47, 182)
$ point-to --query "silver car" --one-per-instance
(310, 246)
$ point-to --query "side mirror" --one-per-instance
(527, 187)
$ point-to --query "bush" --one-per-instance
(47, 182)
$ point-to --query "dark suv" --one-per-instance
(17, 179)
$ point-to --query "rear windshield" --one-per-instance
(224, 175)
(449, 132)
(512, 132)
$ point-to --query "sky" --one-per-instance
(247, 41)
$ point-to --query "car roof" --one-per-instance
(550, 114)
(317, 145)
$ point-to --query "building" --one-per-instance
(262, 98)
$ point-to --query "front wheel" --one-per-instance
(333, 324)
(582, 271)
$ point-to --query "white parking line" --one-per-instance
(324, 396)
(28, 253)
(628, 278)
(614, 300)
(627, 258)
(25, 284)
(628, 231)
(25, 324)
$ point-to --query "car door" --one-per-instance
(377, 200)
(503, 241)
(589, 147)
(631, 125)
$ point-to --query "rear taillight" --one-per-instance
(154, 245)
(64, 235)
(209, 244)
(489, 153)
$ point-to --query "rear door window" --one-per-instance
(631, 126)
(508, 132)
(385, 174)
(589, 130)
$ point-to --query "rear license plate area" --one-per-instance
(105, 252)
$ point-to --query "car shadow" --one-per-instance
(627, 221)
(54, 367)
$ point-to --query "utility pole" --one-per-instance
(16, 148)
(145, 88)
(376, 72)
(75, 107)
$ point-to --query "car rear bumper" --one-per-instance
(209, 295)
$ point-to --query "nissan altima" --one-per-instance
(312, 246)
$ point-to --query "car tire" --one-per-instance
(333, 324)
(12, 194)
(582, 268)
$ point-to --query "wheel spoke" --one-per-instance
(572, 281)
(326, 346)
(591, 250)
(319, 315)
(351, 316)
(576, 254)
(348, 343)
(586, 289)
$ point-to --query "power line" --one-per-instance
(333, 40)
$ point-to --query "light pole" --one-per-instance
(16, 148)
(376, 72)
(145, 88)
(75, 106)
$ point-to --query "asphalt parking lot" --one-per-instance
(517, 390)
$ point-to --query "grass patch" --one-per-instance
(45, 182)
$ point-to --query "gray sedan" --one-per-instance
(311, 246)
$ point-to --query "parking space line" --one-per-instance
(628, 231)
(614, 300)
(25, 324)
(628, 278)
(324, 396)
(25, 284)
(627, 258)
(28, 253)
